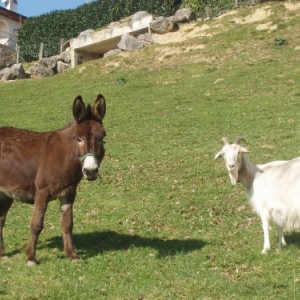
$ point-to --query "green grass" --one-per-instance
(164, 221)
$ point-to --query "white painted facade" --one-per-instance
(10, 21)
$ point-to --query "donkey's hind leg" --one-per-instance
(5, 204)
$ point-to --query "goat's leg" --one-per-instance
(281, 240)
(36, 226)
(5, 204)
(66, 220)
(265, 226)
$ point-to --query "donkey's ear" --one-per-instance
(79, 110)
(99, 108)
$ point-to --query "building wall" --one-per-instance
(8, 24)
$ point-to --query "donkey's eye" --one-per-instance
(79, 140)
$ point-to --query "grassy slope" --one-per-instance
(165, 223)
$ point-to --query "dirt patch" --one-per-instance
(292, 6)
(187, 31)
(258, 15)
(164, 52)
(266, 26)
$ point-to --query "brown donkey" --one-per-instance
(37, 167)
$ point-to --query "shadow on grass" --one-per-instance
(94, 243)
(293, 238)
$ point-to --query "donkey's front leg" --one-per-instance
(66, 220)
(36, 226)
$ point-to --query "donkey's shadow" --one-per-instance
(93, 243)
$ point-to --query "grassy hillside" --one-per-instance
(164, 221)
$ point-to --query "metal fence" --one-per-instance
(8, 49)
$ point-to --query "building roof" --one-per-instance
(12, 15)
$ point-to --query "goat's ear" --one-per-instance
(79, 110)
(244, 150)
(219, 154)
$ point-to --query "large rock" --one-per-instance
(141, 19)
(39, 70)
(162, 25)
(86, 33)
(62, 67)
(128, 42)
(112, 52)
(49, 62)
(64, 56)
(16, 71)
(184, 15)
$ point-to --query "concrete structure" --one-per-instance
(93, 45)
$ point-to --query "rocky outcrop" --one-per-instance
(14, 72)
(184, 15)
(159, 25)
(162, 25)
(49, 66)
(129, 42)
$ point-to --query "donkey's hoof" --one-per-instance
(4, 257)
(31, 263)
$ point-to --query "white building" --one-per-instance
(10, 22)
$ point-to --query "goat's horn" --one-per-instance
(238, 139)
(224, 140)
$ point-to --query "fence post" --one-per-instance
(18, 54)
(207, 12)
(61, 42)
(41, 51)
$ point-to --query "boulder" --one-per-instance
(184, 15)
(16, 71)
(112, 52)
(49, 62)
(112, 25)
(129, 42)
(140, 15)
(39, 70)
(64, 57)
(162, 25)
(86, 33)
(62, 67)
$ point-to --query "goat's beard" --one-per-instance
(233, 175)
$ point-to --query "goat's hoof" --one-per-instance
(31, 263)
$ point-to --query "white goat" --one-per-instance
(273, 188)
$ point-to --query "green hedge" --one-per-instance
(50, 28)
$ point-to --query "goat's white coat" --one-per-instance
(273, 189)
